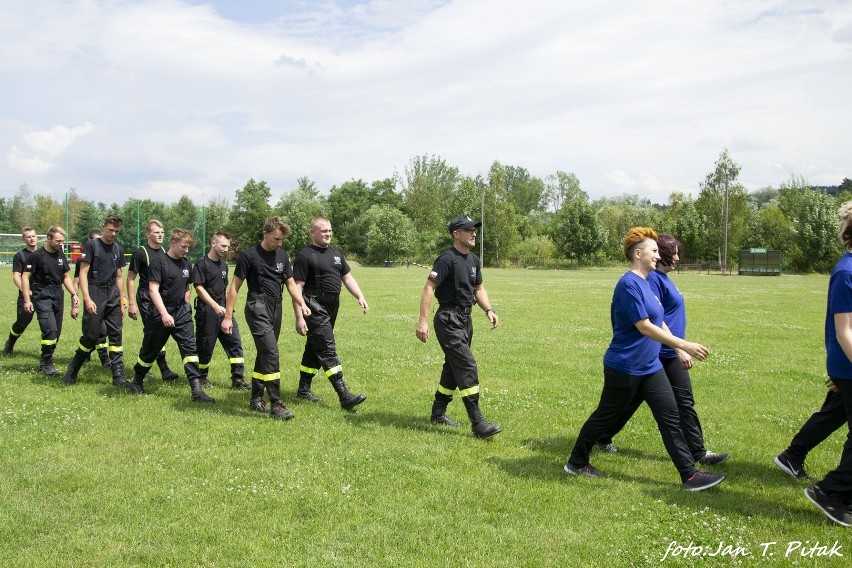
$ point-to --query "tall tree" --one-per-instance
(298, 207)
(561, 187)
(815, 217)
(525, 192)
(23, 208)
(250, 210)
(427, 189)
(733, 214)
(500, 233)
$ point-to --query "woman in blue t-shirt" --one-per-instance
(632, 366)
(676, 363)
(833, 494)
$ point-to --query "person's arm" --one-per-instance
(297, 311)
(205, 296)
(352, 285)
(90, 305)
(132, 308)
(663, 335)
(16, 278)
(118, 284)
(25, 289)
(75, 300)
(422, 330)
(482, 301)
(843, 332)
(230, 302)
(157, 300)
(299, 306)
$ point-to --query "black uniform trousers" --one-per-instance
(157, 334)
(454, 330)
(24, 318)
(618, 390)
(147, 311)
(49, 304)
(107, 299)
(839, 480)
(320, 347)
(207, 330)
(818, 427)
(682, 389)
(263, 316)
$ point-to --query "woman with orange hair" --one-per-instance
(632, 366)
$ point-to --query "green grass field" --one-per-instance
(95, 477)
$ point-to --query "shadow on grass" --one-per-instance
(403, 422)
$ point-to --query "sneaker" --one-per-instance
(712, 458)
(831, 505)
(609, 448)
(280, 412)
(587, 470)
(258, 406)
(791, 468)
(701, 480)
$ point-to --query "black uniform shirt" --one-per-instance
(104, 261)
(140, 260)
(264, 272)
(47, 268)
(213, 276)
(173, 276)
(320, 269)
(456, 275)
(22, 262)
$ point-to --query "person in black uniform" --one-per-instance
(319, 270)
(100, 286)
(140, 302)
(267, 270)
(43, 284)
(102, 343)
(456, 280)
(210, 278)
(20, 264)
(168, 285)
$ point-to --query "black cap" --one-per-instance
(463, 222)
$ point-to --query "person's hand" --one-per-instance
(492, 317)
(364, 305)
(301, 326)
(91, 307)
(422, 331)
(685, 358)
(696, 350)
(306, 311)
(168, 320)
(220, 310)
(75, 311)
(133, 311)
(227, 325)
(831, 386)
(29, 307)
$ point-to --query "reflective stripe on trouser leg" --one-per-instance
(266, 377)
(334, 370)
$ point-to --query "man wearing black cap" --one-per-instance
(456, 280)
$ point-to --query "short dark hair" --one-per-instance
(667, 247)
(94, 233)
(274, 223)
(113, 220)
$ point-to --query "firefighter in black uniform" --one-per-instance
(319, 270)
(102, 342)
(168, 285)
(267, 270)
(140, 302)
(210, 278)
(21, 263)
(42, 283)
(100, 286)
(456, 280)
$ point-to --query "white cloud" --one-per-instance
(54, 142)
(26, 164)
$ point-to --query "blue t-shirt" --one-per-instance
(839, 302)
(631, 352)
(675, 312)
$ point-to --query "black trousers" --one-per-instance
(24, 318)
(147, 311)
(49, 303)
(263, 316)
(182, 333)
(839, 480)
(682, 388)
(320, 347)
(207, 331)
(108, 302)
(818, 427)
(618, 390)
(454, 330)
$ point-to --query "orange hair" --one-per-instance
(636, 236)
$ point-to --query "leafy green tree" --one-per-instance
(561, 187)
(616, 215)
(711, 205)
(6, 224)
(428, 187)
(762, 197)
(500, 234)
(298, 207)
(23, 208)
(347, 202)
(525, 192)
(576, 233)
(815, 217)
(90, 217)
(48, 212)
(771, 229)
(683, 220)
(390, 235)
(250, 210)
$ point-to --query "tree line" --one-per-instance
(528, 221)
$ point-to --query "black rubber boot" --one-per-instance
(139, 373)
(46, 363)
(256, 403)
(481, 427)
(347, 399)
(103, 354)
(238, 383)
(74, 366)
(10, 344)
(118, 379)
(168, 374)
(277, 409)
(199, 395)
(304, 390)
(439, 410)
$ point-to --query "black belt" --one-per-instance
(460, 309)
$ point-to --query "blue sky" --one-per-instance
(161, 98)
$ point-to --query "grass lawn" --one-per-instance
(96, 477)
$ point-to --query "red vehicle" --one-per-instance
(73, 250)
